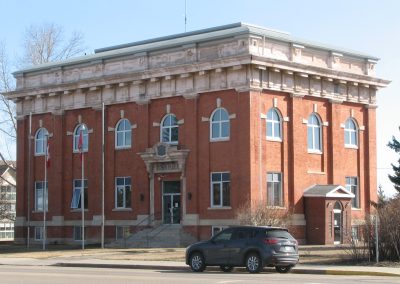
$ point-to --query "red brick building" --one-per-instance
(195, 125)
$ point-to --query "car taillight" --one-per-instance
(270, 241)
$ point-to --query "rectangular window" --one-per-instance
(8, 192)
(78, 233)
(220, 189)
(355, 233)
(6, 231)
(121, 232)
(40, 191)
(352, 186)
(38, 233)
(274, 189)
(123, 192)
(76, 194)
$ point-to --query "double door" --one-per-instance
(171, 201)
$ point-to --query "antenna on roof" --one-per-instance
(185, 17)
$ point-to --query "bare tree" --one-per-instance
(258, 213)
(46, 43)
(8, 126)
(42, 43)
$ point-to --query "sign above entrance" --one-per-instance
(166, 167)
(164, 158)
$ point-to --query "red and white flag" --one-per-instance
(48, 154)
(80, 142)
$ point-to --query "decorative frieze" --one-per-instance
(243, 61)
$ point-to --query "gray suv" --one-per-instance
(249, 246)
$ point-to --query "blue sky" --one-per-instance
(368, 26)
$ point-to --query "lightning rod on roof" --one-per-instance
(185, 16)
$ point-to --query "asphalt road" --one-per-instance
(65, 275)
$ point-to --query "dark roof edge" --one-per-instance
(196, 32)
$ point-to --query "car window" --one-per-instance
(278, 234)
(244, 234)
(225, 235)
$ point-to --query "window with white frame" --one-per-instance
(41, 141)
(355, 234)
(78, 233)
(352, 186)
(220, 189)
(274, 189)
(350, 133)
(169, 129)
(274, 125)
(123, 134)
(220, 125)
(85, 138)
(40, 191)
(38, 233)
(216, 229)
(314, 135)
(123, 192)
(6, 231)
(76, 194)
(8, 192)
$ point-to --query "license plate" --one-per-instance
(287, 249)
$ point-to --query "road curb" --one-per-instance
(182, 268)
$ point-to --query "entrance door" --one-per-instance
(171, 202)
(337, 223)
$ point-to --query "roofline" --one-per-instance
(169, 37)
(107, 52)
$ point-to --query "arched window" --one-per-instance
(314, 136)
(41, 141)
(274, 125)
(350, 133)
(220, 125)
(123, 134)
(169, 129)
(85, 138)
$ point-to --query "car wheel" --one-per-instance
(283, 269)
(253, 263)
(226, 268)
(197, 262)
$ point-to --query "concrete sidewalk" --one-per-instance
(179, 266)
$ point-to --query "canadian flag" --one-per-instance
(80, 142)
(48, 154)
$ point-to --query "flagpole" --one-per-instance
(29, 182)
(44, 191)
(83, 189)
(102, 177)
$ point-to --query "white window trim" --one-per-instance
(124, 135)
(79, 208)
(358, 191)
(170, 130)
(124, 208)
(274, 138)
(314, 150)
(45, 202)
(43, 141)
(221, 206)
(281, 191)
(219, 138)
(351, 131)
(74, 146)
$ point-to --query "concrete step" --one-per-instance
(162, 236)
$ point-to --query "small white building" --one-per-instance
(7, 200)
